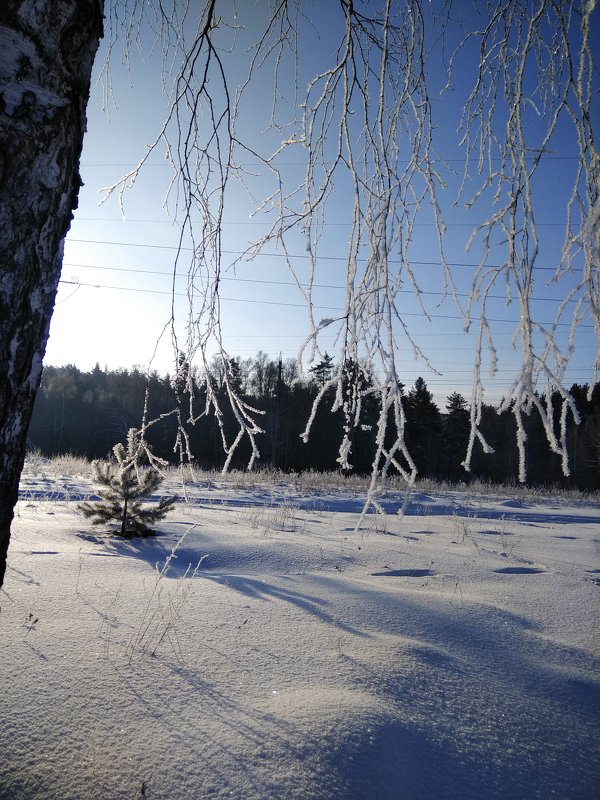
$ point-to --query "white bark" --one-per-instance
(46, 55)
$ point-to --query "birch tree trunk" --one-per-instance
(47, 49)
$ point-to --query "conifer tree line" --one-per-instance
(87, 413)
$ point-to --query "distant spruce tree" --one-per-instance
(323, 370)
(122, 485)
(456, 425)
(423, 428)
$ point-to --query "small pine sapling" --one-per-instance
(122, 485)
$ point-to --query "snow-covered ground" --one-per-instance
(280, 653)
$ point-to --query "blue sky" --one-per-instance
(114, 300)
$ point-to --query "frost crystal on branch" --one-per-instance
(362, 120)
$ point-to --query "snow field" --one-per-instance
(281, 653)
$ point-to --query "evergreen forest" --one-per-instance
(87, 413)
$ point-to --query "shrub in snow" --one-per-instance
(122, 484)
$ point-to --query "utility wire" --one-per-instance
(298, 305)
(461, 160)
(292, 284)
(324, 224)
(290, 255)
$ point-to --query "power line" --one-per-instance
(430, 349)
(492, 387)
(461, 160)
(292, 284)
(324, 224)
(292, 255)
(419, 314)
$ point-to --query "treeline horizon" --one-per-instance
(87, 413)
